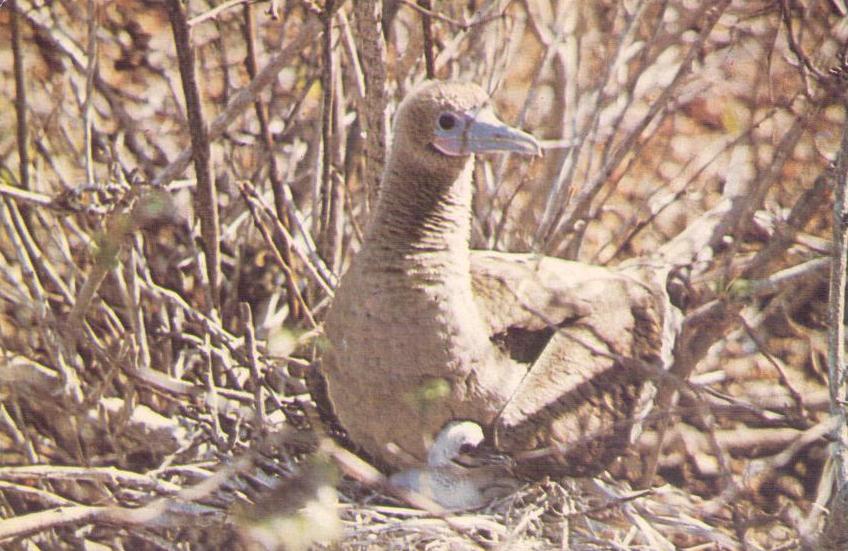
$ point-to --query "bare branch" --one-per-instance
(329, 230)
(240, 101)
(20, 98)
(427, 30)
(206, 199)
(90, 71)
(372, 51)
(277, 184)
(835, 532)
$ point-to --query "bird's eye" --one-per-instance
(447, 121)
(467, 448)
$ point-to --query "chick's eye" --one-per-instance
(447, 121)
(466, 448)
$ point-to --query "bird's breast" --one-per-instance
(407, 358)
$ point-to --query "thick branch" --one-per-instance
(372, 53)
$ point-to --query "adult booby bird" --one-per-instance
(451, 483)
(541, 352)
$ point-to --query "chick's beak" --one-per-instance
(483, 456)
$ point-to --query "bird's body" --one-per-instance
(450, 483)
(423, 330)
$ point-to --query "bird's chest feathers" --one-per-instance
(414, 324)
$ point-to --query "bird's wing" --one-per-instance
(522, 303)
(573, 411)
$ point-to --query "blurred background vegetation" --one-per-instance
(160, 311)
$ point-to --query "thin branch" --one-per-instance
(310, 31)
(90, 71)
(206, 200)
(277, 184)
(211, 14)
(255, 207)
(838, 374)
(761, 468)
(331, 200)
(20, 98)
(250, 351)
(794, 276)
(156, 511)
(23, 196)
(785, 232)
(317, 270)
(59, 41)
(795, 47)
(427, 30)
(797, 397)
(700, 329)
(578, 206)
(427, 11)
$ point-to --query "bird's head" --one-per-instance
(441, 124)
(455, 439)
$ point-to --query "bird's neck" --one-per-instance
(423, 219)
(418, 253)
(413, 275)
(440, 458)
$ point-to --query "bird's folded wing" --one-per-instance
(578, 395)
(525, 290)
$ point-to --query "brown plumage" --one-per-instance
(539, 351)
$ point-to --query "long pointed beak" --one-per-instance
(484, 133)
(488, 133)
